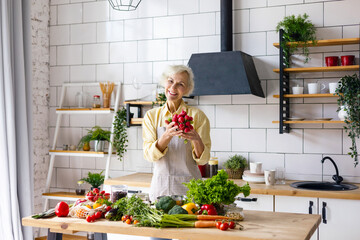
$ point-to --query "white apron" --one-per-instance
(173, 169)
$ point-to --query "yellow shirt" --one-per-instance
(156, 118)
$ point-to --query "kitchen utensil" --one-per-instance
(347, 60)
(269, 177)
(333, 87)
(255, 167)
(323, 119)
(298, 90)
(314, 88)
(296, 119)
(331, 61)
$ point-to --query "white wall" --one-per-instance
(91, 42)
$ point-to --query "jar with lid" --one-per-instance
(234, 211)
(118, 192)
(96, 101)
(213, 165)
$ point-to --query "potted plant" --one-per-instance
(349, 92)
(94, 179)
(120, 133)
(298, 30)
(235, 166)
(98, 135)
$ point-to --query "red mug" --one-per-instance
(331, 61)
(347, 60)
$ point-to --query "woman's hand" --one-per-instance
(195, 138)
(170, 132)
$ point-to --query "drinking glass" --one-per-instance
(137, 85)
(280, 175)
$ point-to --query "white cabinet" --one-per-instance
(262, 203)
(297, 205)
(342, 219)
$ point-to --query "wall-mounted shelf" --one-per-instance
(320, 69)
(139, 104)
(324, 43)
(319, 95)
(69, 196)
(85, 110)
(309, 121)
(78, 153)
(284, 79)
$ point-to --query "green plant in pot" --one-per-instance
(349, 100)
(235, 166)
(301, 32)
(94, 179)
(97, 134)
(120, 133)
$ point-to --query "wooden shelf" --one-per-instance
(136, 121)
(139, 102)
(78, 153)
(319, 95)
(85, 110)
(320, 69)
(323, 43)
(309, 121)
(62, 196)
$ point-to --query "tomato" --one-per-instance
(62, 209)
(136, 221)
(211, 212)
(231, 225)
(224, 226)
(218, 224)
(123, 218)
(98, 215)
(128, 221)
(88, 218)
(108, 208)
(131, 218)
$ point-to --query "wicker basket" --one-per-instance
(235, 173)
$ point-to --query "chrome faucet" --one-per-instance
(338, 179)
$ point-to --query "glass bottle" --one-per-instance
(96, 101)
(213, 164)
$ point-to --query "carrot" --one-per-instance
(211, 217)
(204, 224)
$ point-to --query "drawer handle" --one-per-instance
(247, 199)
(324, 213)
(311, 204)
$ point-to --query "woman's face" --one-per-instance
(176, 86)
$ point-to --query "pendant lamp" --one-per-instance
(124, 5)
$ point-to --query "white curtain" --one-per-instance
(15, 119)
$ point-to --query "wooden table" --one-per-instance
(257, 225)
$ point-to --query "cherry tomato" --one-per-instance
(231, 225)
(128, 221)
(108, 208)
(211, 212)
(92, 218)
(136, 221)
(97, 215)
(88, 218)
(218, 224)
(224, 226)
(123, 218)
(131, 218)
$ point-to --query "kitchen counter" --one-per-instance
(257, 225)
(144, 180)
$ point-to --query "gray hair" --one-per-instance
(174, 69)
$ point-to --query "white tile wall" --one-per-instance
(91, 42)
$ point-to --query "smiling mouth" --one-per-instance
(172, 94)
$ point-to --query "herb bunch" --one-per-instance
(120, 133)
(236, 162)
(95, 179)
(349, 96)
(298, 30)
(216, 190)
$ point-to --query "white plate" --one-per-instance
(323, 119)
(296, 119)
(254, 179)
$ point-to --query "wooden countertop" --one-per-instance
(257, 225)
(144, 180)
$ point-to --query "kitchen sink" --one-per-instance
(323, 186)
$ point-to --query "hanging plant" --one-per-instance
(120, 133)
(160, 99)
(349, 96)
(301, 32)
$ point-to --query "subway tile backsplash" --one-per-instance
(91, 42)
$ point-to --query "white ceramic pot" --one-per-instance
(342, 113)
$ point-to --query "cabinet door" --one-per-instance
(342, 219)
(297, 205)
(262, 203)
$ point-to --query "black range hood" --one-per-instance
(226, 72)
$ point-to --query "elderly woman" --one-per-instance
(174, 161)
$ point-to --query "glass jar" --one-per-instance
(82, 99)
(213, 165)
(96, 101)
(234, 211)
(179, 199)
(118, 192)
(80, 190)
